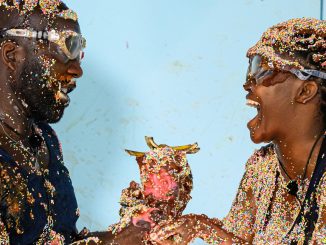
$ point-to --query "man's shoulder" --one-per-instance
(6, 161)
(45, 128)
(11, 176)
(50, 137)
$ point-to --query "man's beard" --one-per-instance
(38, 95)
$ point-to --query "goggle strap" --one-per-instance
(316, 73)
(310, 73)
(299, 74)
(27, 33)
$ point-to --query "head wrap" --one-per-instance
(294, 44)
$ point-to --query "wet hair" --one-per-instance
(47, 6)
(16, 13)
(297, 43)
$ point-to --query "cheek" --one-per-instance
(49, 74)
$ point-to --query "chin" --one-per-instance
(259, 137)
(49, 115)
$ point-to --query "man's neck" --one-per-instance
(13, 116)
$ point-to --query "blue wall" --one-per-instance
(173, 70)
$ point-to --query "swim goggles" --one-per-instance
(259, 71)
(71, 43)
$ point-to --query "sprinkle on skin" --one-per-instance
(166, 178)
(271, 219)
(22, 197)
(48, 7)
(281, 45)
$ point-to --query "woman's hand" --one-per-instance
(181, 231)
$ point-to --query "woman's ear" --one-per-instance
(306, 92)
(11, 54)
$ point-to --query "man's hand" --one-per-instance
(187, 228)
(129, 235)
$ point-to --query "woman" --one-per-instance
(282, 195)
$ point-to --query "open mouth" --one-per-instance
(64, 87)
(253, 103)
(254, 123)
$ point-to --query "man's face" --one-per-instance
(48, 76)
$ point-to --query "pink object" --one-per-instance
(145, 216)
(160, 185)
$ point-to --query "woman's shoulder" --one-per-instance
(260, 169)
(321, 191)
(265, 157)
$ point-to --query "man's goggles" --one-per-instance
(259, 71)
(71, 43)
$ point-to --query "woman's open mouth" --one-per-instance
(255, 122)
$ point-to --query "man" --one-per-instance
(41, 49)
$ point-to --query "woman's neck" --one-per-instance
(299, 152)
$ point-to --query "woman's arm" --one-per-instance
(238, 225)
(189, 227)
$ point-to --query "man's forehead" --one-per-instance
(40, 21)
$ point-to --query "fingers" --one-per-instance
(165, 243)
(133, 185)
(174, 240)
(177, 228)
(162, 233)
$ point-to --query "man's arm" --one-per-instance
(129, 235)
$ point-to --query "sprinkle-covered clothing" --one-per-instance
(264, 211)
(37, 206)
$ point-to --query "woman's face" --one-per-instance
(274, 99)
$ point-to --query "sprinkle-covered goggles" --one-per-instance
(71, 43)
(259, 71)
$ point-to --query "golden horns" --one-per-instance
(189, 149)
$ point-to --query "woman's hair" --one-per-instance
(297, 43)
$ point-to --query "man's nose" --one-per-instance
(75, 69)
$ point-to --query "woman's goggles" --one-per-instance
(259, 71)
(71, 43)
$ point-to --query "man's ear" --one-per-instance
(307, 91)
(11, 54)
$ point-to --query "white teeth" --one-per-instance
(252, 103)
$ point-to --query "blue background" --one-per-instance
(172, 70)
